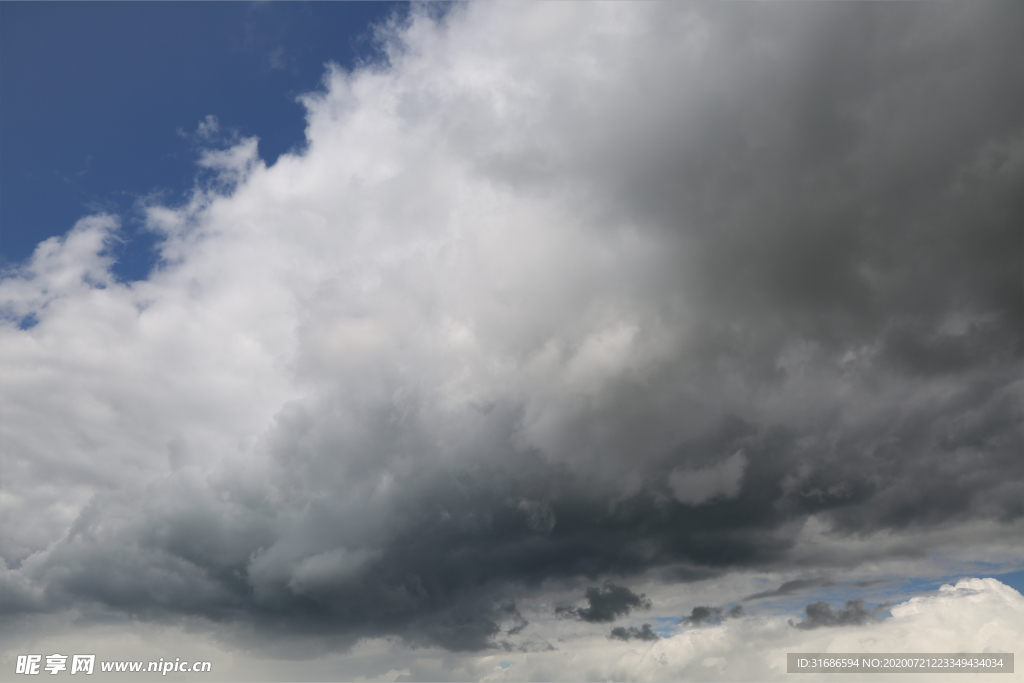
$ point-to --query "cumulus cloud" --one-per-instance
(559, 294)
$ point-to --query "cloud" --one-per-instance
(606, 603)
(538, 515)
(59, 268)
(975, 615)
(208, 127)
(970, 616)
(518, 622)
(694, 487)
(277, 59)
(711, 615)
(232, 164)
(633, 633)
(494, 331)
(794, 586)
(821, 614)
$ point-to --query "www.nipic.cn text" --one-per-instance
(86, 664)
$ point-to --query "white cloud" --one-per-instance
(61, 267)
(234, 163)
(208, 127)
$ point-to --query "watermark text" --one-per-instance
(56, 663)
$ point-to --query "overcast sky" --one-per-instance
(570, 341)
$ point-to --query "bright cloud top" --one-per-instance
(974, 615)
(562, 292)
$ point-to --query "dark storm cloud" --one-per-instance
(633, 633)
(853, 614)
(829, 200)
(606, 603)
(852, 175)
(711, 615)
(438, 569)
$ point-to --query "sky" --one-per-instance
(101, 101)
(510, 341)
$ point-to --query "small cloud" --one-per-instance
(711, 615)
(633, 633)
(277, 58)
(853, 614)
(208, 127)
(209, 133)
(606, 604)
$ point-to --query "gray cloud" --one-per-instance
(633, 633)
(505, 326)
(711, 615)
(606, 603)
(791, 587)
(821, 614)
(518, 623)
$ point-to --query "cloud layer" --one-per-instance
(559, 293)
(975, 615)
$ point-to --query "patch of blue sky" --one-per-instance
(28, 322)
(1014, 580)
(976, 568)
(97, 96)
(1009, 574)
(664, 626)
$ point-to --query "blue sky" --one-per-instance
(96, 93)
(528, 325)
